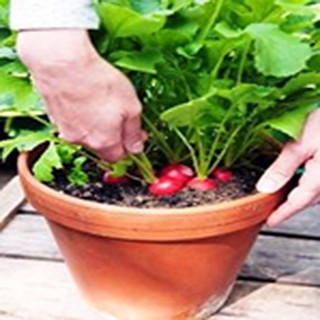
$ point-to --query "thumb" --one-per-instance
(283, 169)
(133, 135)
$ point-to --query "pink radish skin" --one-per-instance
(165, 186)
(178, 172)
(222, 174)
(202, 184)
(110, 179)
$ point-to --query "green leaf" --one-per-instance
(77, 175)
(49, 160)
(144, 61)
(146, 6)
(24, 97)
(187, 114)
(66, 152)
(26, 141)
(302, 81)
(277, 53)
(250, 93)
(314, 62)
(227, 31)
(120, 168)
(291, 122)
(123, 22)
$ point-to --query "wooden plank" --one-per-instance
(272, 258)
(40, 290)
(27, 208)
(276, 258)
(274, 301)
(44, 290)
(309, 275)
(306, 223)
(11, 197)
(28, 236)
(6, 173)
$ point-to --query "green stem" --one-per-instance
(192, 152)
(218, 136)
(243, 61)
(144, 165)
(160, 139)
(225, 148)
(39, 119)
(202, 155)
(212, 19)
(184, 82)
(7, 125)
(230, 141)
(215, 70)
(100, 163)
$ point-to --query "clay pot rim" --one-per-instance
(158, 224)
(23, 167)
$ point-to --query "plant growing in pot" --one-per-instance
(219, 80)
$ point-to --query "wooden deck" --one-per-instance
(280, 280)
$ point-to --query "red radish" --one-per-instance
(222, 174)
(165, 186)
(109, 178)
(202, 184)
(178, 172)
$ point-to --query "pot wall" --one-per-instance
(153, 264)
(145, 280)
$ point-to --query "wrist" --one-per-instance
(42, 50)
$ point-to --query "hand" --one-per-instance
(90, 101)
(305, 150)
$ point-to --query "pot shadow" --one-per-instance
(241, 290)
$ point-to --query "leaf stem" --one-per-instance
(192, 152)
(212, 19)
(160, 139)
(243, 61)
(144, 165)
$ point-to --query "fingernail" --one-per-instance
(136, 147)
(267, 186)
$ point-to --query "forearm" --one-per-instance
(52, 14)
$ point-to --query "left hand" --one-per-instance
(305, 150)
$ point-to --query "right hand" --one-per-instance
(91, 102)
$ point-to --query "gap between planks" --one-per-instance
(11, 198)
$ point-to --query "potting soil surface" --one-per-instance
(136, 194)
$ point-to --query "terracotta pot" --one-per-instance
(151, 264)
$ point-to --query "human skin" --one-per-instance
(95, 105)
(305, 150)
(91, 102)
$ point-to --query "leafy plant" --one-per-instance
(216, 79)
(17, 94)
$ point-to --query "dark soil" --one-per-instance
(136, 193)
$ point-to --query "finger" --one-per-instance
(133, 135)
(282, 170)
(304, 195)
(299, 199)
(112, 153)
(107, 141)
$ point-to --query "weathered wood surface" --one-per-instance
(306, 223)
(5, 174)
(27, 208)
(39, 290)
(11, 198)
(272, 258)
(43, 290)
(274, 301)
